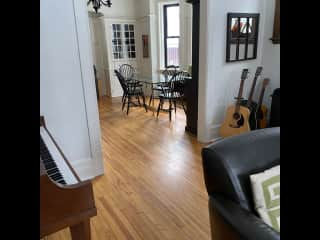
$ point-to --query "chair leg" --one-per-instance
(170, 106)
(122, 97)
(129, 101)
(160, 102)
(144, 102)
(175, 106)
(150, 99)
(138, 100)
(184, 109)
(124, 102)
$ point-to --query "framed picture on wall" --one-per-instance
(242, 36)
(145, 46)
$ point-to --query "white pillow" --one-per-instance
(266, 194)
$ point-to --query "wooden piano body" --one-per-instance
(64, 206)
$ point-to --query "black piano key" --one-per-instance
(51, 167)
(55, 174)
(52, 171)
(47, 161)
(62, 181)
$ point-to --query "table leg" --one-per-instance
(153, 101)
(81, 231)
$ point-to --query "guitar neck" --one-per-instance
(261, 97)
(264, 85)
(237, 108)
(257, 74)
(252, 91)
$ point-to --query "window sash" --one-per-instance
(165, 25)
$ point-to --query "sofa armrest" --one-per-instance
(228, 163)
(246, 224)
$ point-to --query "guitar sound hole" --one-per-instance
(240, 121)
(236, 116)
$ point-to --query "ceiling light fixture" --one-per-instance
(98, 3)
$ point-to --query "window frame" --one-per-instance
(165, 30)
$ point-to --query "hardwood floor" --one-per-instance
(153, 187)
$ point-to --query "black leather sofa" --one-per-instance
(227, 165)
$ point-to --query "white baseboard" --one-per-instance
(214, 132)
(212, 135)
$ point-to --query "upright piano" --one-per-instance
(65, 200)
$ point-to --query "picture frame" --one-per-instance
(145, 46)
(242, 36)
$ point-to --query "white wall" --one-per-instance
(218, 80)
(143, 28)
(119, 9)
(142, 8)
(67, 91)
(185, 48)
(99, 52)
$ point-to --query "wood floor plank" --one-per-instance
(153, 187)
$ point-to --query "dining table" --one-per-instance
(150, 81)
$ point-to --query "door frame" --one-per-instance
(193, 88)
(109, 70)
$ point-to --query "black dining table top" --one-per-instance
(154, 79)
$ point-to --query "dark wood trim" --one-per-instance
(193, 1)
(238, 40)
(276, 25)
(275, 40)
(81, 231)
(64, 206)
(191, 130)
(257, 36)
(42, 122)
(241, 60)
(246, 41)
(193, 85)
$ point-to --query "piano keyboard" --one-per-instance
(53, 161)
(50, 166)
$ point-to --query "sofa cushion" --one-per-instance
(266, 194)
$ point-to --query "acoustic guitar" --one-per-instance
(237, 116)
(262, 109)
(250, 104)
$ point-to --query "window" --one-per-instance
(117, 42)
(123, 41)
(171, 23)
(129, 40)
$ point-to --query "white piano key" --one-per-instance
(57, 158)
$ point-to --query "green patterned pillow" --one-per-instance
(266, 193)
